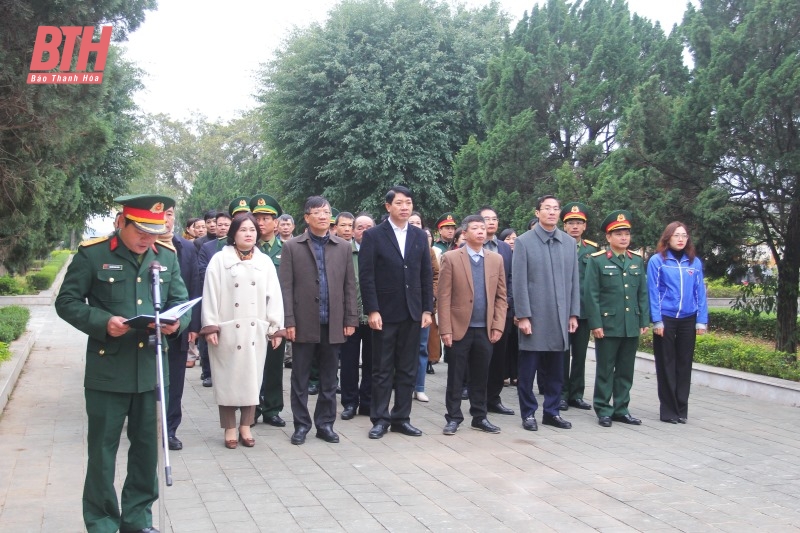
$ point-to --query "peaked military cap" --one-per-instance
(575, 211)
(146, 211)
(334, 214)
(266, 204)
(240, 204)
(446, 219)
(619, 219)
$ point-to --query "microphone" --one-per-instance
(155, 270)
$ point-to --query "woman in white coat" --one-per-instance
(242, 310)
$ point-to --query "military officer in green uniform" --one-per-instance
(240, 204)
(446, 227)
(574, 215)
(266, 209)
(108, 282)
(617, 310)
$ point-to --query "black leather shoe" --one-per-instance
(313, 389)
(378, 431)
(174, 443)
(327, 434)
(555, 421)
(406, 429)
(275, 420)
(299, 435)
(485, 425)
(348, 412)
(563, 405)
(500, 409)
(681, 420)
(465, 393)
(670, 420)
(363, 411)
(207, 382)
(580, 404)
(627, 419)
(430, 369)
(604, 421)
(143, 530)
(530, 424)
(450, 428)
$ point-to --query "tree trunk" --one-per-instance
(788, 280)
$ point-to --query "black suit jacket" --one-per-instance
(187, 259)
(399, 288)
(505, 250)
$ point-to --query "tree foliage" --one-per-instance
(382, 93)
(65, 150)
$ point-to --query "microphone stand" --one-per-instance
(161, 410)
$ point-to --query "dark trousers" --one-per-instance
(106, 412)
(205, 362)
(550, 374)
(616, 358)
(303, 354)
(497, 366)
(512, 352)
(395, 358)
(473, 352)
(674, 353)
(575, 374)
(271, 401)
(357, 349)
(177, 374)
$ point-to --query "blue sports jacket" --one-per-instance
(676, 289)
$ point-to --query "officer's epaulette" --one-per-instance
(167, 245)
(96, 240)
(600, 252)
(591, 243)
(635, 252)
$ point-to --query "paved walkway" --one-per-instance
(734, 467)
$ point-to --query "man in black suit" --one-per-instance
(397, 292)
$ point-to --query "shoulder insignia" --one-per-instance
(598, 253)
(96, 240)
(631, 253)
(167, 245)
(591, 243)
(113, 243)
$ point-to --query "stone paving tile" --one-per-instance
(734, 467)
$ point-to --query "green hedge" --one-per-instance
(10, 286)
(5, 353)
(738, 355)
(761, 326)
(13, 321)
(719, 288)
(44, 278)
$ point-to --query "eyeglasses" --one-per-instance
(680, 235)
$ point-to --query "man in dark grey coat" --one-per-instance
(547, 304)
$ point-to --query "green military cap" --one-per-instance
(446, 219)
(266, 204)
(146, 211)
(574, 211)
(619, 219)
(240, 204)
(334, 214)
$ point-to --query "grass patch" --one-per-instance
(5, 352)
(38, 278)
(13, 321)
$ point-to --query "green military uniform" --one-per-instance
(575, 374)
(615, 290)
(104, 280)
(446, 220)
(271, 395)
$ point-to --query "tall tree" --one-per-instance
(382, 93)
(555, 97)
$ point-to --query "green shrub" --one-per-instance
(40, 281)
(10, 286)
(13, 321)
(738, 354)
(5, 352)
(761, 326)
(721, 288)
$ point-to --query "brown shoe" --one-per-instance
(231, 444)
(247, 443)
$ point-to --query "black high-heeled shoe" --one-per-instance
(430, 369)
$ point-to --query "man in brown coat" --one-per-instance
(472, 315)
(319, 296)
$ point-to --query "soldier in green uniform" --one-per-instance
(266, 209)
(446, 227)
(240, 204)
(617, 310)
(107, 283)
(574, 215)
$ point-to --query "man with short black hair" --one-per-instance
(210, 218)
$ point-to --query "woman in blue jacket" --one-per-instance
(679, 312)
